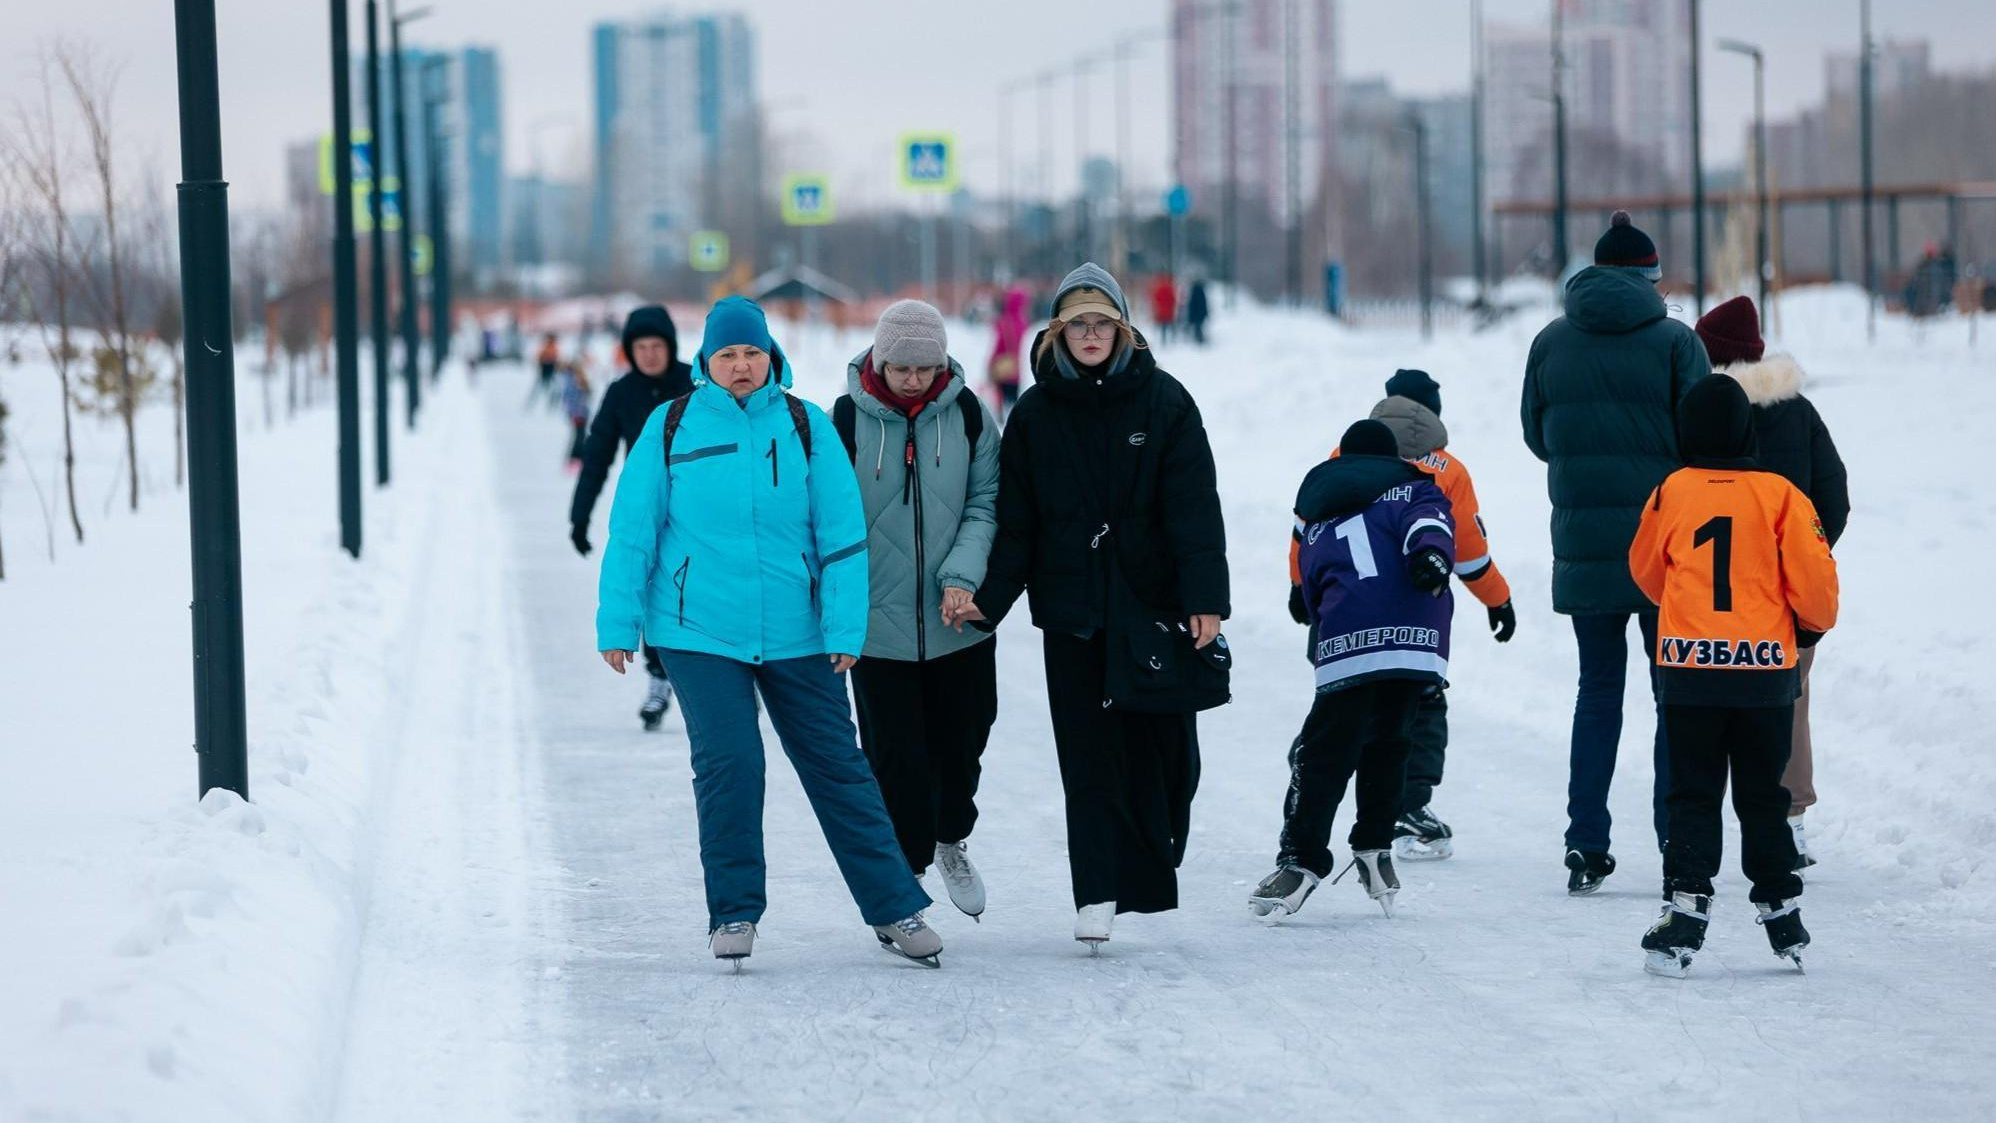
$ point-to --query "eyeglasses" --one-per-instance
(895, 371)
(1091, 329)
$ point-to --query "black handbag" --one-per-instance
(1153, 667)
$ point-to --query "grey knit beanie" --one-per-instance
(911, 334)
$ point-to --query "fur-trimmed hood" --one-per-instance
(1775, 378)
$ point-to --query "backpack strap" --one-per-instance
(675, 414)
(845, 418)
(802, 422)
(972, 408)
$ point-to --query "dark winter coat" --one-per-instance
(1793, 439)
(1602, 385)
(627, 405)
(1196, 306)
(1360, 518)
(1092, 468)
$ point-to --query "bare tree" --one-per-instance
(39, 158)
(157, 244)
(93, 86)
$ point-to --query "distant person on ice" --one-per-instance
(1197, 309)
(1794, 442)
(926, 453)
(1109, 517)
(1412, 410)
(738, 549)
(1602, 385)
(1008, 340)
(1378, 549)
(1740, 564)
(651, 341)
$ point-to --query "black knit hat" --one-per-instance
(1369, 438)
(1417, 385)
(1715, 424)
(1626, 247)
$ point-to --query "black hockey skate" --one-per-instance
(1677, 934)
(1589, 870)
(1419, 836)
(1282, 892)
(657, 702)
(1785, 933)
(1375, 876)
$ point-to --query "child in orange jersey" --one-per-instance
(1412, 409)
(1737, 560)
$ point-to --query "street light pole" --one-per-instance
(1761, 233)
(1422, 238)
(1478, 265)
(346, 327)
(1292, 180)
(377, 256)
(1697, 160)
(1559, 249)
(410, 357)
(1864, 80)
(433, 145)
(221, 739)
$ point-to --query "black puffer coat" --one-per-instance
(1097, 467)
(1602, 385)
(627, 405)
(1793, 439)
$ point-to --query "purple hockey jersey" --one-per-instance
(1359, 518)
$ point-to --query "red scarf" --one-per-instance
(871, 382)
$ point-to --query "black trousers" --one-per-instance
(1129, 779)
(654, 665)
(1359, 730)
(1428, 737)
(923, 727)
(1753, 742)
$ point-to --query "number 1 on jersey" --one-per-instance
(1719, 532)
(1352, 530)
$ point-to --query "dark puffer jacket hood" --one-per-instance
(1715, 425)
(1608, 300)
(1350, 483)
(652, 320)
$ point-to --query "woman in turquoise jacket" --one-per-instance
(738, 548)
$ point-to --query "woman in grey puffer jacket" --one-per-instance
(926, 454)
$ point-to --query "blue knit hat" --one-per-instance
(735, 321)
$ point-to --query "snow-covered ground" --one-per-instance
(468, 887)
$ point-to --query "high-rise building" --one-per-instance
(1241, 50)
(1901, 65)
(670, 93)
(470, 120)
(1628, 101)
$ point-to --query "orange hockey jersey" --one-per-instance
(1735, 558)
(1473, 565)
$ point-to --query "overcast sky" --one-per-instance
(842, 78)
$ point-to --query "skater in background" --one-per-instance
(738, 549)
(656, 376)
(1412, 410)
(1737, 560)
(1008, 340)
(1601, 386)
(1109, 517)
(1378, 550)
(547, 362)
(1197, 309)
(926, 453)
(575, 403)
(1164, 305)
(1795, 443)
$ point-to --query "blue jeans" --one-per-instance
(1597, 727)
(807, 704)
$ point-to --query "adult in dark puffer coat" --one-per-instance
(651, 341)
(1108, 508)
(1795, 443)
(1602, 385)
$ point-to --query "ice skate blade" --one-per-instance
(1795, 958)
(931, 961)
(734, 961)
(1584, 890)
(1386, 903)
(1414, 850)
(1094, 946)
(1669, 965)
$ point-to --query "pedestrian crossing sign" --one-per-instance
(708, 252)
(807, 200)
(928, 162)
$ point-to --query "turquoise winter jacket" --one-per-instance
(736, 548)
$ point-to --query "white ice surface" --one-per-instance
(469, 888)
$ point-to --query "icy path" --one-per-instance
(536, 943)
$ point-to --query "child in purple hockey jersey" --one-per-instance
(1378, 549)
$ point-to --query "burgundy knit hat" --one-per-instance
(1732, 333)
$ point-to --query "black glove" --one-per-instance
(1296, 610)
(1503, 622)
(579, 534)
(1806, 639)
(1429, 570)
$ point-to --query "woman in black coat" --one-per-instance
(1796, 444)
(1109, 520)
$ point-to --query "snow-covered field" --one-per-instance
(468, 887)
